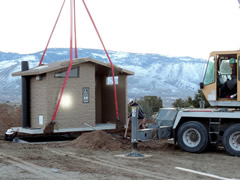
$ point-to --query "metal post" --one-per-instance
(25, 97)
(134, 131)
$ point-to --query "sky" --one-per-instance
(168, 27)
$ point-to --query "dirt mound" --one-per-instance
(10, 116)
(99, 140)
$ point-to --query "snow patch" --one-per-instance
(95, 55)
(62, 53)
(28, 58)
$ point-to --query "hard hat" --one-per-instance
(232, 61)
(131, 101)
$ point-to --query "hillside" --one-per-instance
(167, 77)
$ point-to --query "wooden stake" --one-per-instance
(126, 129)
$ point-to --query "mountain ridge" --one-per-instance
(167, 77)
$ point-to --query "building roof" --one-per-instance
(102, 67)
(224, 52)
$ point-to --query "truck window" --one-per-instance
(225, 67)
(225, 71)
(74, 73)
(209, 77)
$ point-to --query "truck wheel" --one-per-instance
(192, 137)
(231, 140)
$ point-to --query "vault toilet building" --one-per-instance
(88, 100)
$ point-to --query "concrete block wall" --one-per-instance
(38, 100)
(108, 103)
(122, 98)
(78, 113)
(101, 106)
(98, 95)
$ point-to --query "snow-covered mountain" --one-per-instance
(166, 77)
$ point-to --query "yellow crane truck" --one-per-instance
(196, 129)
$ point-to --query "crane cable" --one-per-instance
(51, 34)
(71, 55)
(112, 67)
(70, 61)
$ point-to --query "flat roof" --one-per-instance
(224, 52)
(45, 68)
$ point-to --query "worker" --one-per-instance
(229, 88)
(133, 103)
(141, 115)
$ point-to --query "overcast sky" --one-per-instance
(169, 27)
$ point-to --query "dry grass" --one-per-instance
(10, 116)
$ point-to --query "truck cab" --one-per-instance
(221, 83)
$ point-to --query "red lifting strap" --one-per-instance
(70, 63)
(72, 3)
(114, 85)
(51, 34)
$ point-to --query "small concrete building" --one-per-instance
(88, 98)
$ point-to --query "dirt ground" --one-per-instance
(101, 155)
(81, 159)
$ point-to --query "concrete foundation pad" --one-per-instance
(28, 130)
(106, 126)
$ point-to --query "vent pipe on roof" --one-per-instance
(25, 97)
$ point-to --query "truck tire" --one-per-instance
(192, 137)
(231, 140)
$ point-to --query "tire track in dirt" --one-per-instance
(39, 171)
(141, 172)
